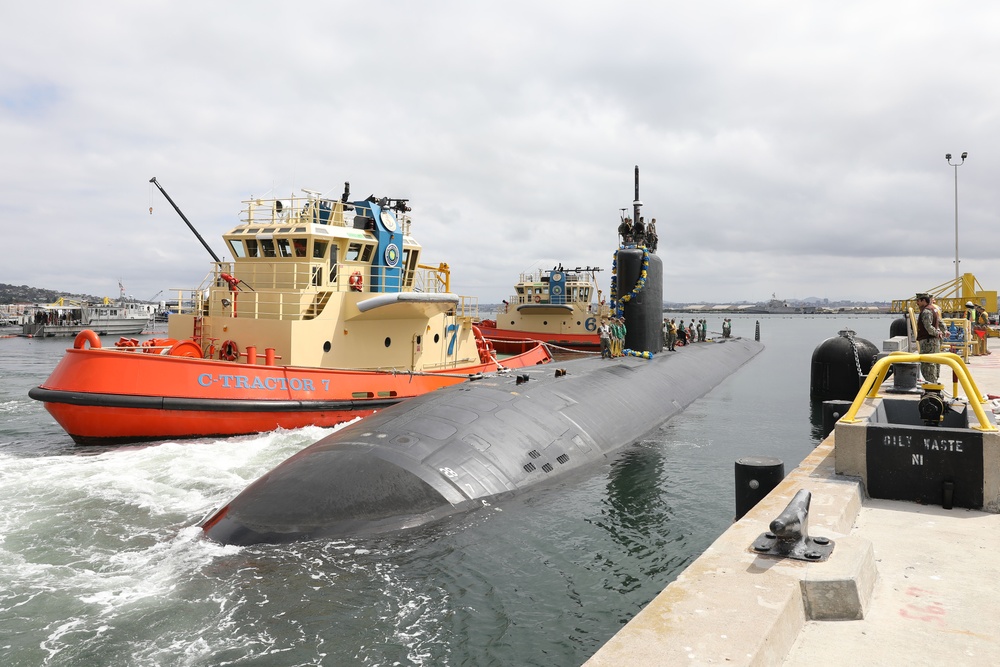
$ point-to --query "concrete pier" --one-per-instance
(907, 584)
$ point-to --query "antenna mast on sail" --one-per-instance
(636, 205)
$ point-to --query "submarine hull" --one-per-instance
(460, 447)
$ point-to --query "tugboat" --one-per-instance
(560, 307)
(325, 314)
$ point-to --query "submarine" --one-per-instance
(476, 443)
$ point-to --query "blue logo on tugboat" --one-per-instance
(391, 255)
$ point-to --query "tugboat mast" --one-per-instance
(191, 227)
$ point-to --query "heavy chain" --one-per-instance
(849, 335)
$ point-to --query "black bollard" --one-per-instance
(832, 412)
(755, 477)
(947, 495)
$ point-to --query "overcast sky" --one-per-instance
(794, 148)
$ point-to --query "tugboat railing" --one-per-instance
(293, 290)
(313, 207)
(580, 289)
(881, 367)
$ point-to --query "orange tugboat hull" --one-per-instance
(511, 341)
(104, 396)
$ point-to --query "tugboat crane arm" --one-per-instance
(184, 218)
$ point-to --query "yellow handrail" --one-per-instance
(441, 272)
(881, 368)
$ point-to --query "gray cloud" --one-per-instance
(783, 147)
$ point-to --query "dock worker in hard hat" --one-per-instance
(928, 336)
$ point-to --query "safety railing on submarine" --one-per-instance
(881, 368)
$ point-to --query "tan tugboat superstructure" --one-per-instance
(558, 306)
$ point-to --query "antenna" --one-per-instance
(636, 205)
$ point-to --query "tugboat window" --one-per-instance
(437, 338)
(252, 248)
(267, 247)
(284, 248)
(319, 249)
(327, 346)
(300, 247)
(410, 257)
(388, 341)
(237, 248)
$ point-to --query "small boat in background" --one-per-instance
(68, 317)
(10, 326)
(558, 306)
(326, 313)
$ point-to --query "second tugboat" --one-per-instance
(560, 307)
(325, 314)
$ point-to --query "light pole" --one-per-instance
(947, 157)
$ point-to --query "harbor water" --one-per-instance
(102, 562)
